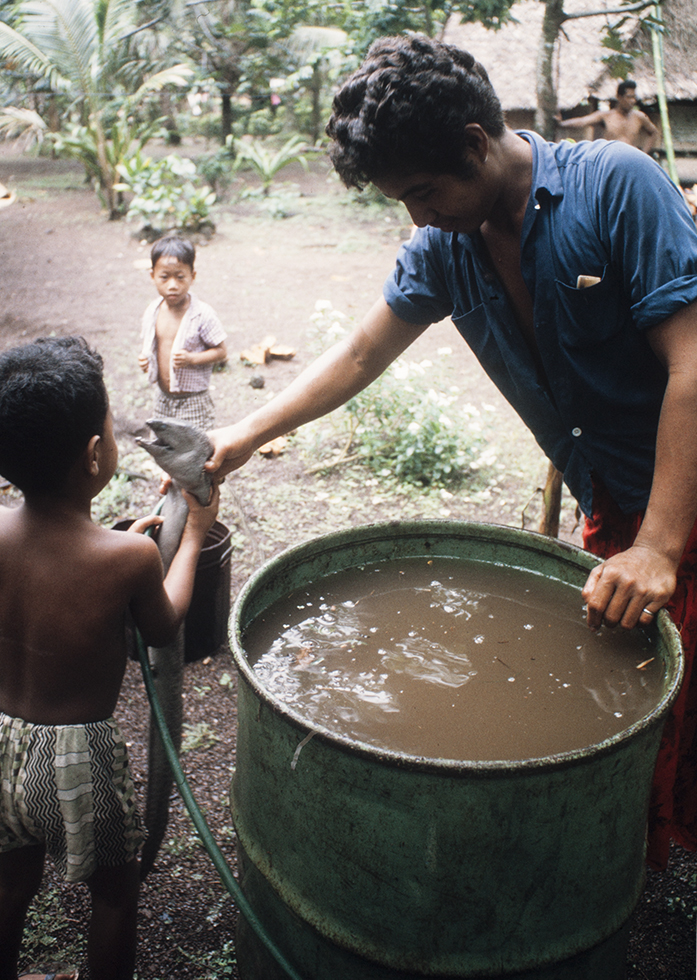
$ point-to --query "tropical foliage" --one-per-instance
(83, 51)
(167, 193)
(267, 163)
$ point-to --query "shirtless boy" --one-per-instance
(182, 337)
(625, 122)
(65, 588)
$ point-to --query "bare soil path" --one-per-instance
(68, 270)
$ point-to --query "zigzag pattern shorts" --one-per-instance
(68, 787)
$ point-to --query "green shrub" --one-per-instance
(407, 423)
(268, 161)
(167, 193)
(219, 168)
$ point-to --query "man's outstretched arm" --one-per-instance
(340, 373)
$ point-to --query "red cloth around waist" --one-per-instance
(673, 805)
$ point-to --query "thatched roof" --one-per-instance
(679, 55)
(509, 54)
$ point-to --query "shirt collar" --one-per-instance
(193, 310)
(545, 177)
(545, 172)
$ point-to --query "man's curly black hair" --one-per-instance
(404, 111)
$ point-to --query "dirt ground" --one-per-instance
(68, 270)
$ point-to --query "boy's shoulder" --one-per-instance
(203, 317)
(120, 551)
(198, 307)
(122, 543)
(152, 307)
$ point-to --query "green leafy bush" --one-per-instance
(218, 168)
(407, 423)
(267, 162)
(167, 193)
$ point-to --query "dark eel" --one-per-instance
(181, 450)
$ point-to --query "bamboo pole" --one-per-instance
(659, 69)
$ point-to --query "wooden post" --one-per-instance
(551, 497)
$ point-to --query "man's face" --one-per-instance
(626, 102)
(443, 200)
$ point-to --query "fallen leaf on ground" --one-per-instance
(275, 447)
(258, 353)
(282, 353)
(265, 350)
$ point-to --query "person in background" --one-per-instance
(182, 337)
(623, 122)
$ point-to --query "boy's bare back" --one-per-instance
(65, 588)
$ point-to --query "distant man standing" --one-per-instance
(625, 122)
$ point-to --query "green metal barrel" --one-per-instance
(366, 864)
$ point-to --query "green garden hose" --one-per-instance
(199, 821)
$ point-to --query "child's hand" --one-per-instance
(143, 363)
(201, 519)
(183, 358)
(143, 523)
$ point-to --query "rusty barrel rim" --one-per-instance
(561, 552)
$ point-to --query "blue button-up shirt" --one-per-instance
(600, 209)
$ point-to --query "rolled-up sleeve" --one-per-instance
(416, 290)
(651, 232)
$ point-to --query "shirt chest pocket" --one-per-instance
(192, 342)
(591, 314)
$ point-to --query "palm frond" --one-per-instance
(77, 30)
(16, 122)
(20, 52)
(176, 75)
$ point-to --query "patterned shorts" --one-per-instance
(196, 408)
(68, 787)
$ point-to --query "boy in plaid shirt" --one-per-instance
(182, 337)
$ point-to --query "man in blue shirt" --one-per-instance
(570, 269)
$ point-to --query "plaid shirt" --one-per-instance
(199, 330)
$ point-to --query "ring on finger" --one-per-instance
(649, 612)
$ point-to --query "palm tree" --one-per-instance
(84, 50)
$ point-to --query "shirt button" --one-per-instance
(576, 432)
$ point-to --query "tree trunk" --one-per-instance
(316, 92)
(428, 18)
(554, 17)
(226, 115)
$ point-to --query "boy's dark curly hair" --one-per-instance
(52, 401)
(404, 111)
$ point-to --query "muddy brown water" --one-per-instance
(448, 659)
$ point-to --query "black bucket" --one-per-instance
(206, 623)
